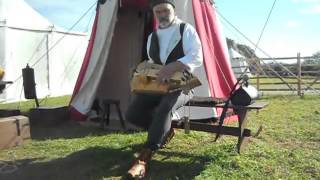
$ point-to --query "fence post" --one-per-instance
(299, 73)
(258, 74)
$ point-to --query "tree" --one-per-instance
(315, 59)
(316, 56)
(242, 49)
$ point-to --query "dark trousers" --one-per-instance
(153, 113)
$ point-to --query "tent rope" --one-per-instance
(219, 66)
(90, 20)
(252, 64)
(256, 46)
(56, 43)
(60, 39)
(265, 25)
(264, 52)
(69, 67)
(37, 49)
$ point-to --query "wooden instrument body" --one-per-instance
(144, 80)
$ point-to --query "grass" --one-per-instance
(287, 148)
(24, 106)
(273, 83)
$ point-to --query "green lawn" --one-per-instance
(308, 83)
(287, 148)
(24, 106)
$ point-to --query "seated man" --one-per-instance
(175, 45)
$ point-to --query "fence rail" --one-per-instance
(298, 77)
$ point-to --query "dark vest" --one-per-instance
(176, 53)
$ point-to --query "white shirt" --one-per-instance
(169, 37)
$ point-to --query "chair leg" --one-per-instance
(242, 123)
(106, 113)
(120, 116)
(102, 120)
(107, 120)
(105, 116)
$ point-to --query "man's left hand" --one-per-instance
(167, 71)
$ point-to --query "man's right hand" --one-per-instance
(167, 71)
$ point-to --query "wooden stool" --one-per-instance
(106, 112)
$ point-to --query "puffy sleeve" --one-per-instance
(192, 48)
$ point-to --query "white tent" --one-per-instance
(117, 45)
(238, 63)
(28, 38)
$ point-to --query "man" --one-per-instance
(175, 45)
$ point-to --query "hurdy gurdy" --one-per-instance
(144, 80)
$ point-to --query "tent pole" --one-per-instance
(48, 60)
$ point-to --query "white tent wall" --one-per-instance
(19, 48)
(27, 37)
(65, 61)
(238, 63)
(2, 43)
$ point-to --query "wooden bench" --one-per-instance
(212, 124)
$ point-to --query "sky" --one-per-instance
(293, 25)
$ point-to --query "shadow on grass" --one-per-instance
(68, 130)
(189, 166)
(99, 163)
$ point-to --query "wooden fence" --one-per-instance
(284, 74)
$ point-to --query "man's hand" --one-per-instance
(167, 71)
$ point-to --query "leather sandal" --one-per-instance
(139, 167)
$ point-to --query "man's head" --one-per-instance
(164, 11)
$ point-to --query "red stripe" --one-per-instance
(76, 115)
(219, 73)
(155, 23)
(87, 57)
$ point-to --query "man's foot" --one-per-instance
(167, 138)
(139, 168)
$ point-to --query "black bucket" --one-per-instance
(29, 83)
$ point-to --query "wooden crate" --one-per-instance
(14, 131)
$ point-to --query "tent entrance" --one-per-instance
(126, 52)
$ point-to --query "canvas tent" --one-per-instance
(117, 45)
(27, 37)
(238, 63)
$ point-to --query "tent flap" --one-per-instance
(217, 65)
